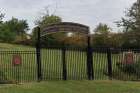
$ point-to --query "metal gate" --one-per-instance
(64, 62)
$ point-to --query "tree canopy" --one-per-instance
(102, 29)
(48, 20)
(101, 36)
(131, 26)
(12, 29)
(1, 16)
(132, 20)
(43, 22)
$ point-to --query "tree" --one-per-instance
(20, 27)
(5, 34)
(102, 29)
(1, 16)
(131, 26)
(11, 30)
(43, 22)
(48, 20)
(115, 40)
(101, 36)
(132, 20)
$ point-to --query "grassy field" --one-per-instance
(52, 70)
(73, 87)
(52, 64)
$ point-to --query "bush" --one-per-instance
(130, 69)
(3, 77)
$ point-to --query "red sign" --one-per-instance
(129, 58)
(16, 60)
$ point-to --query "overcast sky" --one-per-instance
(88, 12)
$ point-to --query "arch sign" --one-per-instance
(65, 27)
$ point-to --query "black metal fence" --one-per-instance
(12, 71)
(70, 64)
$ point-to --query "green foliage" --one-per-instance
(131, 27)
(48, 20)
(101, 36)
(2, 76)
(9, 30)
(5, 34)
(34, 36)
(43, 23)
(102, 29)
(116, 40)
(1, 17)
(132, 20)
(129, 38)
(18, 26)
(130, 68)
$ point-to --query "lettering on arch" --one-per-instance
(65, 27)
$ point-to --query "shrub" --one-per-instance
(132, 69)
(3, 77)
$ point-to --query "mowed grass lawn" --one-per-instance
(52, 66)
(73, 87)
(52, 69)
(51, 60)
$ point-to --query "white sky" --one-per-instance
(88, 12)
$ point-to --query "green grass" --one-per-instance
(8, 47)
(52, 64)
(52, 69)
(73, 87)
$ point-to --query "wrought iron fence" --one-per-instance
(70, 64)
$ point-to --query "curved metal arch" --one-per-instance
(65, 27)
(72, 27)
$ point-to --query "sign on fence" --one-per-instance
(16, 60)
(129, 58)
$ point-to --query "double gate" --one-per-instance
(65, 62)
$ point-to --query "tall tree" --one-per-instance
(131, 26)
(132, 20)
(6, 35)
(12, 29)
(101, 36)
(1, 16)
(43, 22)
(20, 27)
(48, 20)
(102, 29)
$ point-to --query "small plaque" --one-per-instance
(129, 58)
(16, 60)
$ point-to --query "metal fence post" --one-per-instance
(38, 55)
(64, 63)
(90, 72)
(109, 63)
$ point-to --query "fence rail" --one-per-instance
(70, 64)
